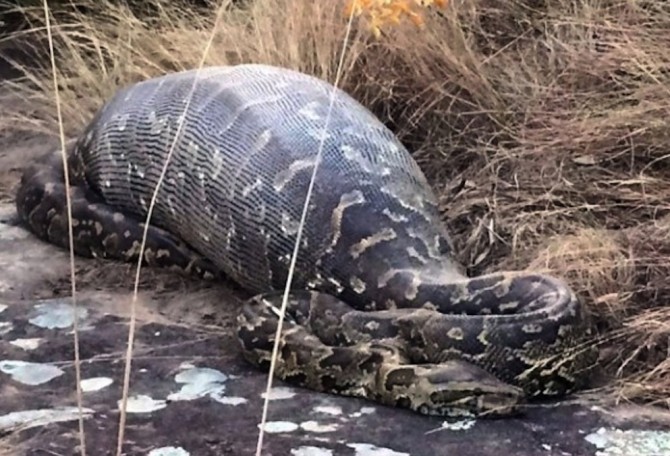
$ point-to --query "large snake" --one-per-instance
(379, 308)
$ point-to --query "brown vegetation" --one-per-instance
(544, 127)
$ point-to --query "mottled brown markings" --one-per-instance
(317, 134)
(259, 144)
(357, 284)
(412, 290)
(289, 225)
(217, 165)
(230, 234)
(139, 171)
(389, 304)
(531, 328)
(354, 155)
(386, 234)
(111, 242)
(269, 273)
(192, 148)
(372, 325)
(347, 200)
(431, 247)
(565, 330)
(283, 178)
(511, 305)
(242, 108)
(413, 253)
(482, 337)
(258, 183)
(395, 217)
(338, 285)
(309, 111)
(387, 276)
(407, 198)
(456, 333)
(428, 305)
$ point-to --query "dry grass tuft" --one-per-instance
(542, 125)
(597, 261)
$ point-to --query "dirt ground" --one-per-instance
(191, 392)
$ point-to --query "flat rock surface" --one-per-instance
(191, 391)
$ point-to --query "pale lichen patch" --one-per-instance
(30, 373)
(56, 314)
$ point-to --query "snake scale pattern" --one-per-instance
(379, 308)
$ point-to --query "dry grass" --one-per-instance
(543, 126)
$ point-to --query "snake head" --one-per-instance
(453, 388)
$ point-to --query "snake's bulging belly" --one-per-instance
(240, 168)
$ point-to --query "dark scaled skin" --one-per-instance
(379, 307)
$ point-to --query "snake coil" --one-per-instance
(380, 309)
